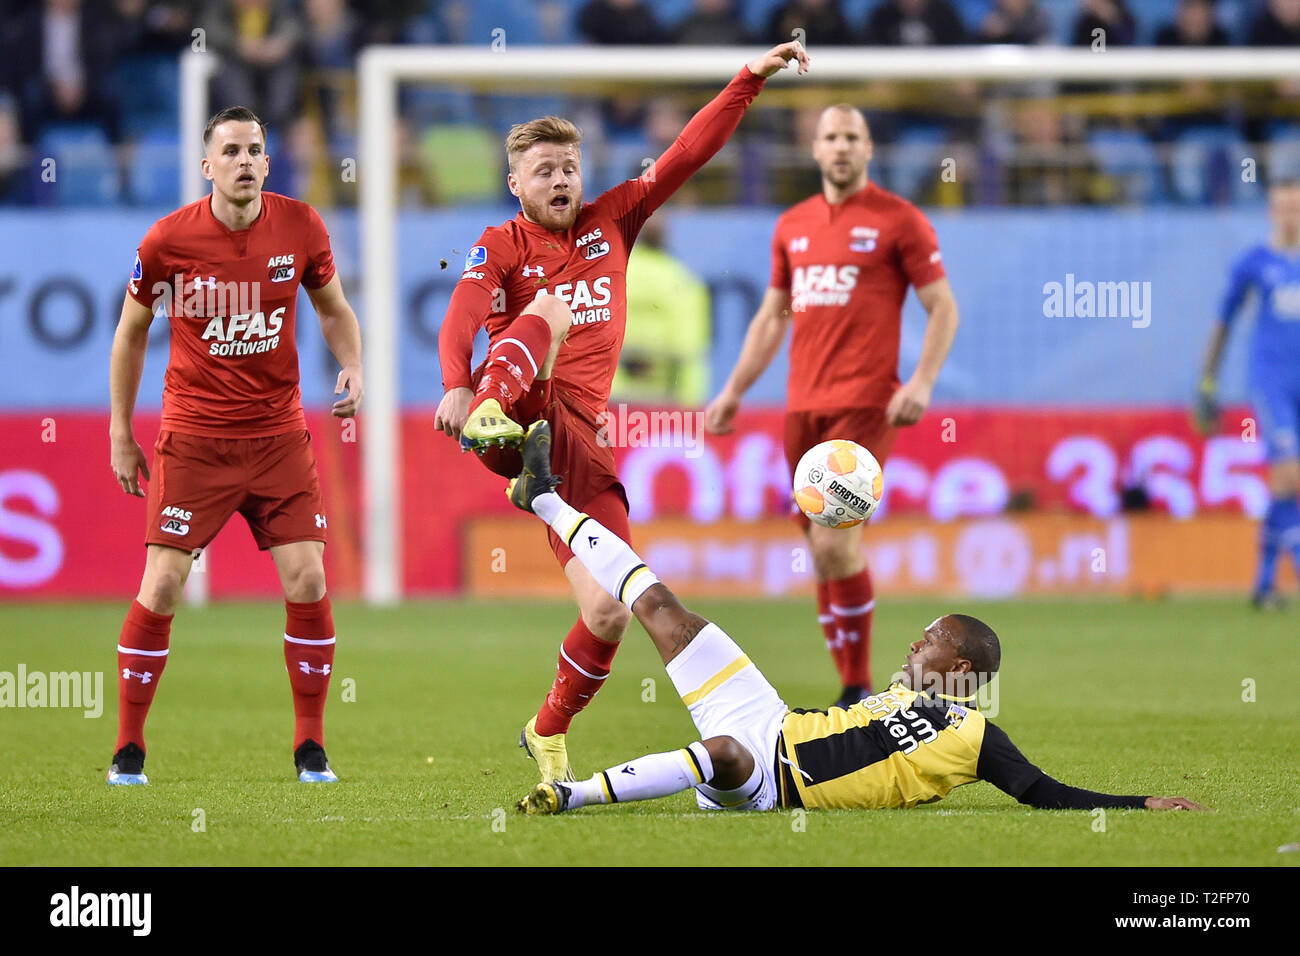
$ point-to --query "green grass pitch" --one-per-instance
(1115, 696)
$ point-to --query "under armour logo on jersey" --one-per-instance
(530, 271)
(320, 521)
(308, 669)
(799, 244)
(145, 678)
(200, 282)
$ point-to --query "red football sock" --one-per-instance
(513, 361)
(141, 655)
(852, 601)
(309, 657)
(827, 620)
(583, 666)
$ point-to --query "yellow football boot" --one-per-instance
(545, 798)
(551, 754)
(489, 425)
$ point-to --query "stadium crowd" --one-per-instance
(93, 84)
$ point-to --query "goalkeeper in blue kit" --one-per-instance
(1272, 272)
(908, 745)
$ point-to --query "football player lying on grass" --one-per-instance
(911, 744)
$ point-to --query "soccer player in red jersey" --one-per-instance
(226, 270)
(841, 265)
(550, 286)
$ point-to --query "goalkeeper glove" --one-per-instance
(1207, 407)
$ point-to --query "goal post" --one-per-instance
(530, 71)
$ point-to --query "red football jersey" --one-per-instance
(231, 298)
(585, 266)
(847, 269)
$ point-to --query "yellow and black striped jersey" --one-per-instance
(901, 748)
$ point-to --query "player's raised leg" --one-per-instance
(523, 353)
(309, 642)
(699, 656)
(142, 650)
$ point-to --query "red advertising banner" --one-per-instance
(67, 529)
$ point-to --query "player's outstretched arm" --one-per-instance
(763, 338)
(706, 133)
(909, 403)
(338, 324)
(1002, 764)
(130, 342)
(1173, 803)
(775, 59)
(1206, 412)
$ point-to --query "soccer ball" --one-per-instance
(838, 484)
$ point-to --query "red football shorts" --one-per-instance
(198, 483)
(866, 426)
(577, 454)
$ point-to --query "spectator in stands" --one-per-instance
(156, 27)
(915, 23)
(386, 21)
(1111, 17)
(330, 37)
(1193, 25)
(1277, 25)
(329, 47)
(665, 353)
(62, 54)
(1053, 165)
(620, 23)
(259, 42)
(1016, 21)
(821, 20)
(14, 168)
(713, 23)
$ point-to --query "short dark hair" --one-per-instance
(236, 114)
(978, 644)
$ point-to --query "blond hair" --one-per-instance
(549, 129)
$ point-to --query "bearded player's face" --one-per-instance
(548, 181)
(236, 161)
(841, 147)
